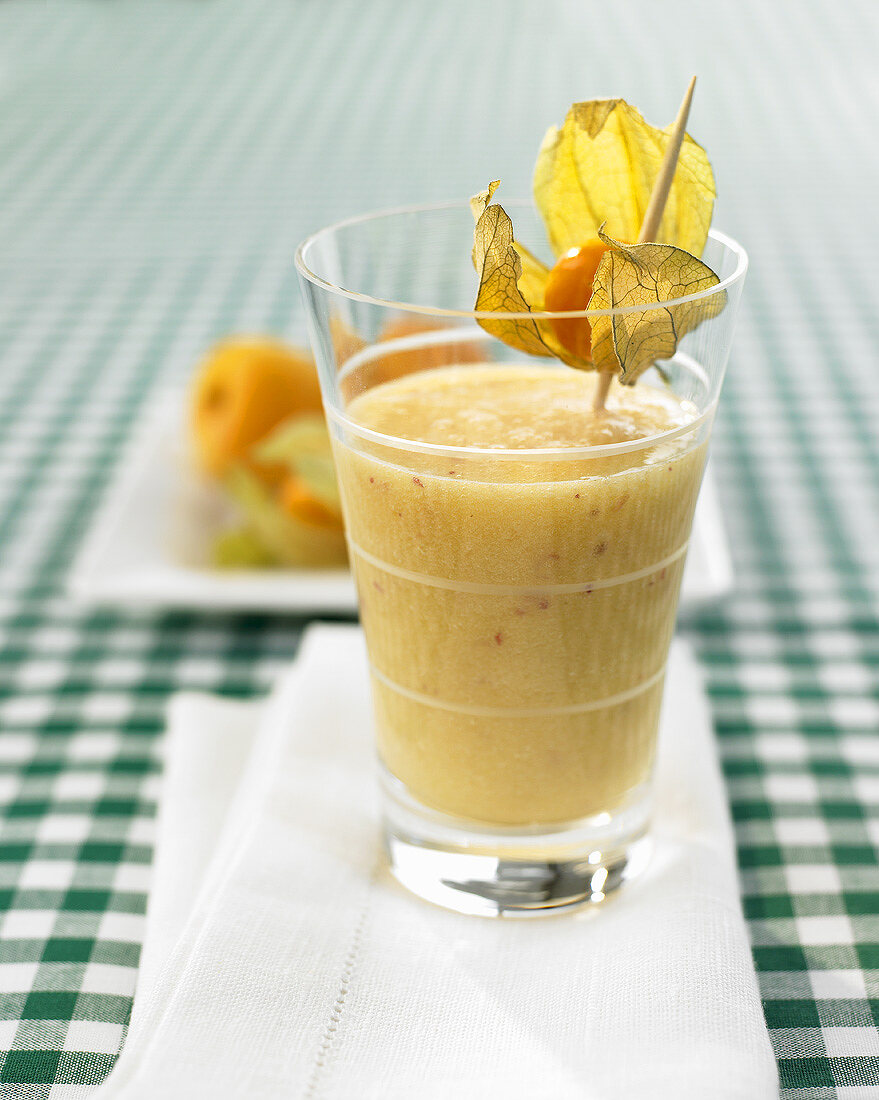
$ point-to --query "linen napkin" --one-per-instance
(302, 970)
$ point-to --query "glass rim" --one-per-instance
(438, 311)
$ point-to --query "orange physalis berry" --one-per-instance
(569, 287)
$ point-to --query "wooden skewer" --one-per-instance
(602, 390)
(662, 186)
(655, 208)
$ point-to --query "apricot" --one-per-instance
(296, 500)
(243, 389)
(569, 287)
(396, 364)
(345, 340)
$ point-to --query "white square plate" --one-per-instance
(148, 546)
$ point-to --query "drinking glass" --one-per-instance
(517, 602)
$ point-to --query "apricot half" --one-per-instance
(296, 500)
(396, 364)
(243, 389)
(569, 287)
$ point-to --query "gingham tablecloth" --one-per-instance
(159, 164)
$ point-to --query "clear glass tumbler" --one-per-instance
(518, 602)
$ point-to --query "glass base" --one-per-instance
(513, 872)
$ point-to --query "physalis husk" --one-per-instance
(499, 264)
(592, 186)
(637, 275)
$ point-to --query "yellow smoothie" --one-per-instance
(518, 606)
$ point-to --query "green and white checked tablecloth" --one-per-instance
(159, 163)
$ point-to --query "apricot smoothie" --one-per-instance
(518, 598)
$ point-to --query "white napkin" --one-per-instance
(208, 744)
(304, 971)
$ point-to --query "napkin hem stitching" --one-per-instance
(349, 965)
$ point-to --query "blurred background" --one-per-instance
(161, 161)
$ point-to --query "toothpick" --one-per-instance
(662, 186)
(605, 378)
(655, 209)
